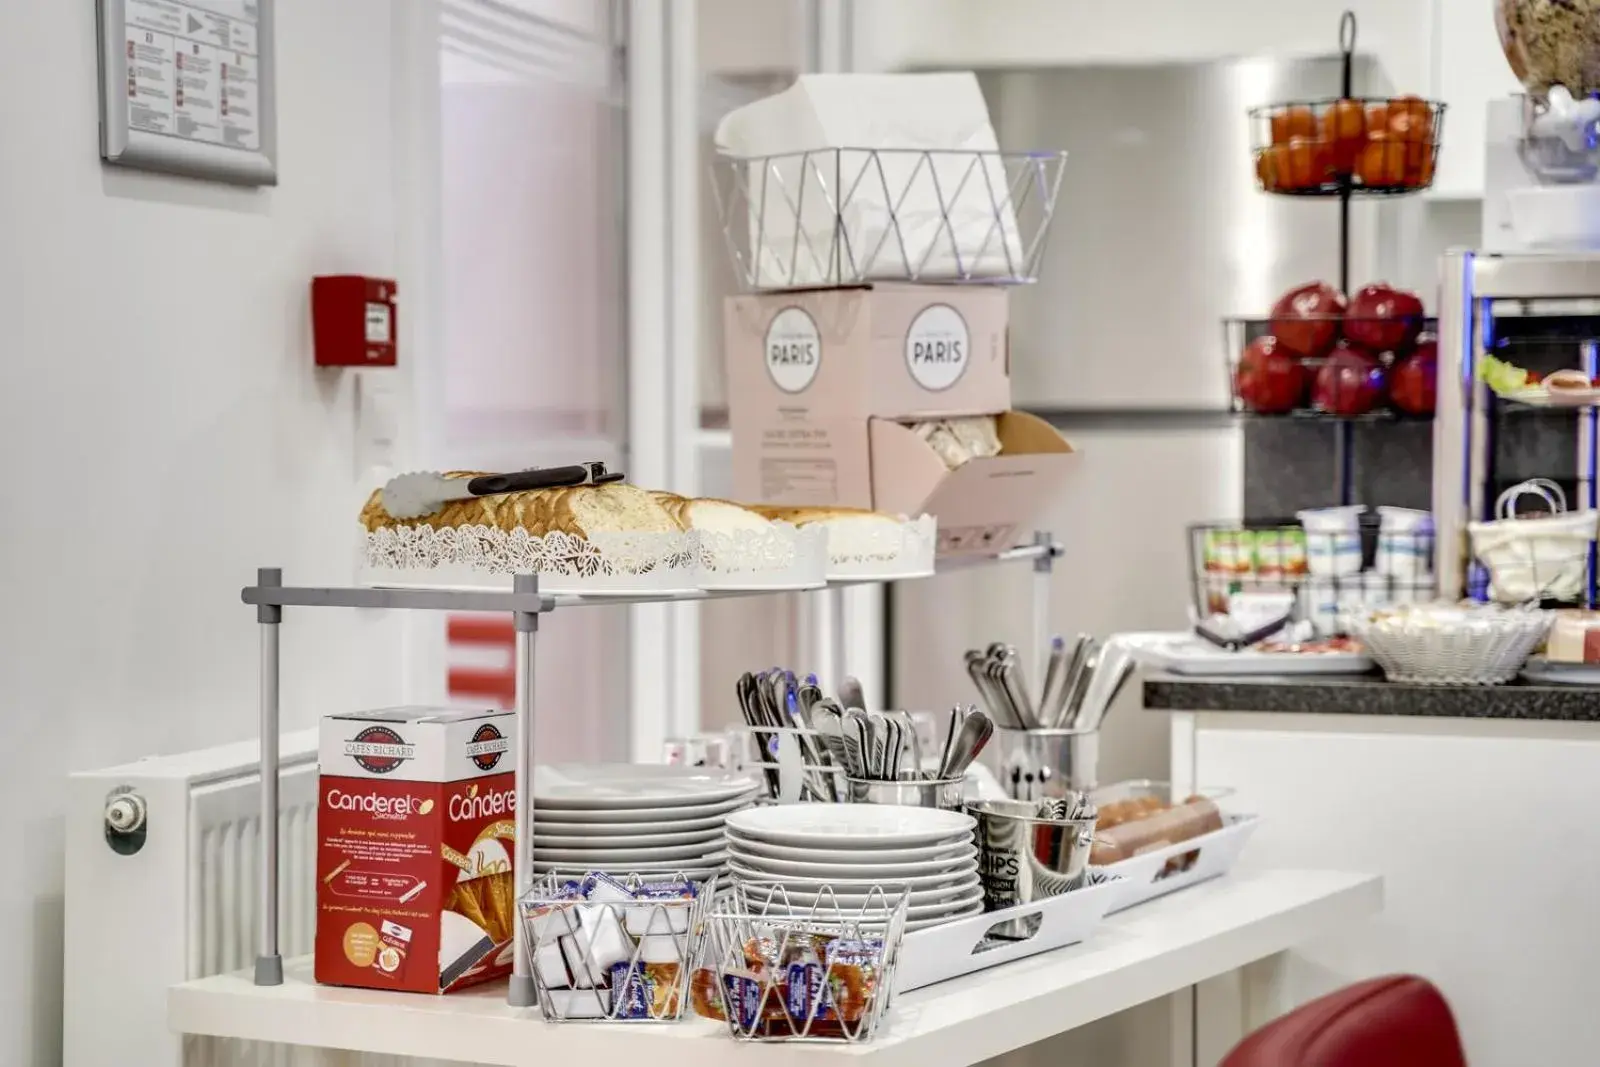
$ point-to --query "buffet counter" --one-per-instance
(1370, 694)
(1474, 803)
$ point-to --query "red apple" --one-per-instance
(1271, 380)
(1350, 382)
(1306, 319)
(1413, 384)
(1383, 318)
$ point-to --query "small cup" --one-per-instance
(1036, 764)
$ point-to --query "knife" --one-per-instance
(411, 496)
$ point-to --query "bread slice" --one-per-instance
(720, 516)
(584, 511)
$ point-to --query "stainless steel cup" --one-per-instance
(1023, 858)
(945, 793)
(1035, 764)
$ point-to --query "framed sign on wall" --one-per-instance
(187, 87)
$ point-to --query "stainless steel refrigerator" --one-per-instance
(1160, 235)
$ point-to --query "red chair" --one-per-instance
(1399, 1021)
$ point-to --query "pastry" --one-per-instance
(578, 510)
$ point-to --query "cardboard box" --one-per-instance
(983, 506)
(891, 351)
(416, 820)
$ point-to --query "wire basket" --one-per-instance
(1370, 146)
(846, 216)
(1309, 366)
(801, 971)
(614, 949)
(1452, 646)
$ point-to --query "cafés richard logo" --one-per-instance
(937, 347)
(486, 747)
(378, 749)
(793, 350)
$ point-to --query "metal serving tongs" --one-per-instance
(411, 496)
(1233, 640)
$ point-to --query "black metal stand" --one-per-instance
(1344, 430)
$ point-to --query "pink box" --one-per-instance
(983, 506)
(892, 351)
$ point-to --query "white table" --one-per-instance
(1233, 923)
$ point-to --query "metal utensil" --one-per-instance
(908, 734)
(1114, 677)
(1080, 690)
(851, 694)
(976, 730)
(994, 701)
(411, 496)
(1054, 665)
(1011, 684)
(1082, 655)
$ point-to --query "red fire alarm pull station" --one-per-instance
(353, 321)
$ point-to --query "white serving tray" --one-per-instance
(1558, 672)
(1147, 877)
(1179, 653)
(953, 949)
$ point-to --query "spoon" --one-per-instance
(975, 733)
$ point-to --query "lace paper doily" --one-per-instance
(614, 564)
(880, 551)
(781, 557)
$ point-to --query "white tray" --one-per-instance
(887, 554)
(1540, 397)
(1146, 877)
(781, 558)
(953, 949)
(1179, 653)
(477, 557)
(1558, 672)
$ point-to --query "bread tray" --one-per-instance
(478, 557)
(950, 950)
(905, 550)
(781, 557)
(1167, 870)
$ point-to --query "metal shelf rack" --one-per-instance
(525, 603)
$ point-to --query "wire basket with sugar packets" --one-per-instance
(614, 947)
(845, 216)
(781, 965)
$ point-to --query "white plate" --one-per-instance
(696, 870)
(957, 847)
(807, 882)
(608, 786)
(1540, 396)
(955, 893)
(709, 853)
(1558, 672)
(646, 818)
(785, 870)
(565, 828)
(1184, 653)
(850, 825)
(943, 908)
(710, 835)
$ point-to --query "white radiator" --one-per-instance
(180, 903)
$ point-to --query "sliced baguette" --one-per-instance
(584, 511)
(720, 516)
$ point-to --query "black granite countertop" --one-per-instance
(1369, 694)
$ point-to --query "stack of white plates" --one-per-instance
(634, 818)
(824, 854)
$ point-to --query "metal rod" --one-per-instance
(522, 993)
(1344, 461)
(1042, 569)
(269, 962)
(1588, 467)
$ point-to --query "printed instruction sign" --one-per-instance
(190, 92)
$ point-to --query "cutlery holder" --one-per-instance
(945, 793)
(1023, 858)
(1036, 764)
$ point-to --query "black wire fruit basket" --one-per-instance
(1347, 145)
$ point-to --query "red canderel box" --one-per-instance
(416, 826)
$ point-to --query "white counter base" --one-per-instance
(1139, 955)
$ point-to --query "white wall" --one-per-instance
(164, 434)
